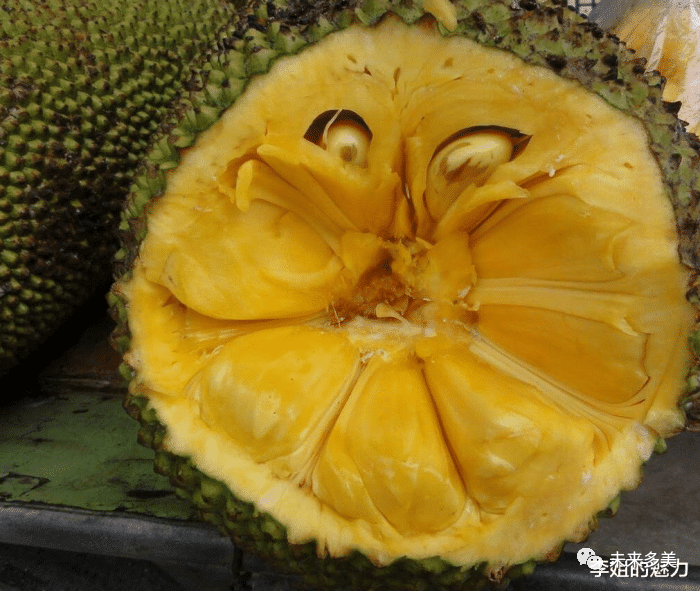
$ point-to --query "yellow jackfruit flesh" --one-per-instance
(405, 310)
(667, 35)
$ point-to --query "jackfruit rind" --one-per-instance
(644, 99)
(83, 86)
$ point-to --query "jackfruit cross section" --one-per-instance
(401, 307)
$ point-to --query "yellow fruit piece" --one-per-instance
(401, 467)
(267, 263)
(291, 382)
(667, 35)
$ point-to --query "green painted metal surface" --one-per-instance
(73, 477)
(79, 450)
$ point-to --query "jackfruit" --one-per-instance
(667, 35)
(410, 313)
(83, 86)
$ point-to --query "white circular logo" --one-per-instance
(595, 562)
(584, 554)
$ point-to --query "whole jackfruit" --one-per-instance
(83, 86)
(411, 311)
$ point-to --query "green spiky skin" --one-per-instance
(541, 32)
(83, 86)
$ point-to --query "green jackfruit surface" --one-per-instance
(83, 86)
(378, 374)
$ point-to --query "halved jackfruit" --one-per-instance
(413, 302)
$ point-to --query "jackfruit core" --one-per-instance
(404, 308)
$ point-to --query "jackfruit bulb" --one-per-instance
(667, 35)
(412, 297)
(83, 86)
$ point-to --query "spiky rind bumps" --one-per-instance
(541, 33)
(83, 86)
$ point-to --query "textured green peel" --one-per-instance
(83, 87)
